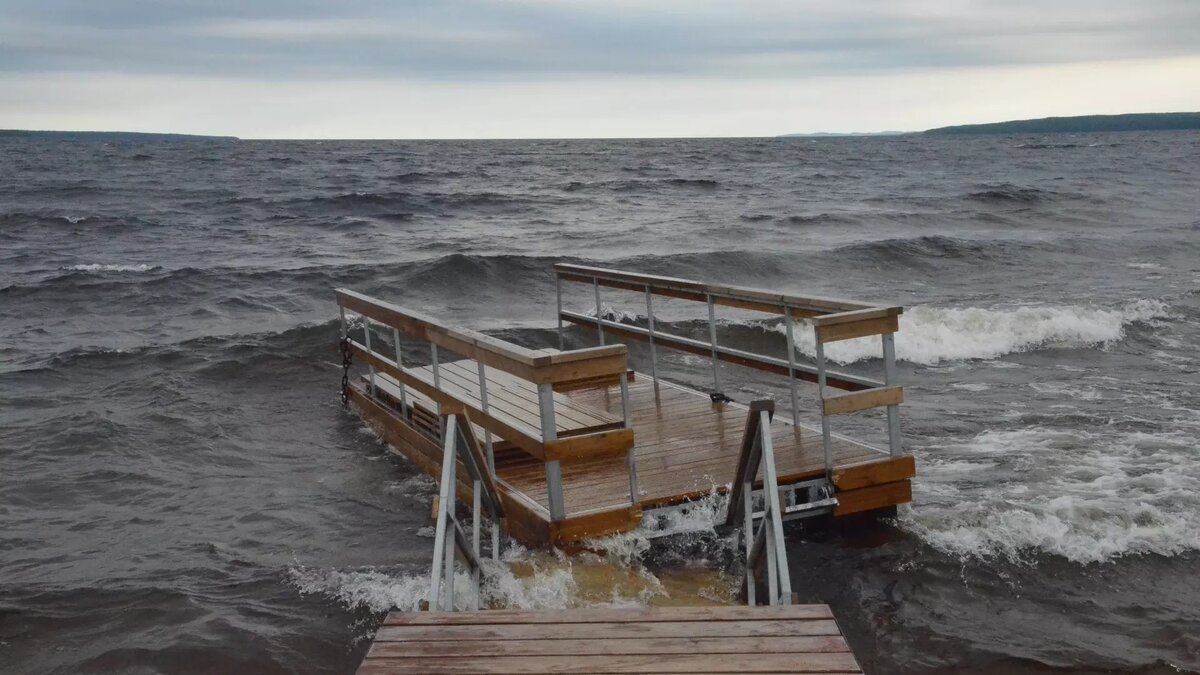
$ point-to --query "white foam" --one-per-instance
(524, 579)
(931, 335)
(1087, 497)
(96, 267)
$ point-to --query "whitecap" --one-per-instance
(930, 335)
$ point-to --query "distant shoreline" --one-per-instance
(112, 135)
(1079, 124)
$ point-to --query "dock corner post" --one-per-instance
(631, 454)
(343, 332)
(712, 336)
(367, 344)
(826, 439)
(599, 310)
(893, 411)
(554, 486)
(791, 350)
(558, 311)
(653, 347)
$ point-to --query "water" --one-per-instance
(181, 492)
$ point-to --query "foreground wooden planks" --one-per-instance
(788, 639)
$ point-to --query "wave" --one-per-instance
(111, 267)
(646, 185)
(1087, 497)
(931, 335)
(1007, 192)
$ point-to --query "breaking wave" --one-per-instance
(1087, 497)
(931, 335)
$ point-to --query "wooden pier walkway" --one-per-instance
(779, 639)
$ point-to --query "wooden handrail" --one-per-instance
(748, 459)
(537, 366)
(744, 297)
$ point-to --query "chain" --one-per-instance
(346, 370)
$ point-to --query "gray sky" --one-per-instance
(585, 68)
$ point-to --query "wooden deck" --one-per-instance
(779, 639)
(686, 447)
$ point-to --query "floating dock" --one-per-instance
(559, 447)
(583, 447)
(783, 639)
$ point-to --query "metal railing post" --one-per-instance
(712, 336)
(491, 453)
(367, 344)
(437, 376)
(554, 486)
(791, 350)
(748, 531)
(893, 411)
(476, 573)
(826, 439)
(653, 347)
(634, 497)
(342, 322)
(404, 412)
(443, 551)
(558, 312)
(777, 549)
(599, 311)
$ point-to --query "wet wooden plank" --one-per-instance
(607, 615)
(741, 639)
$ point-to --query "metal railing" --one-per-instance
(449, 538)
(543, 369)
(832, 320)
(765, 544)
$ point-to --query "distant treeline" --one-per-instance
(1081, 124)
(111, 135)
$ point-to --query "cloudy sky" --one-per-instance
(585, 68)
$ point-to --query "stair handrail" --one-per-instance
(758, 451)
(460, 443)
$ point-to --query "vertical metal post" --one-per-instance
(748, 531)
(631, 457)
(400, 364)
(476, 513)
(558, 312)
(445, 496)
(893, 411)
(791, 351)
(367, 344)
(433, 359)
(554, 486)
(491, 452)
(653, 348)
(342, 322)
(712, 337)
(772, 571)
(599, 312)
(778, 549)
(825, 437)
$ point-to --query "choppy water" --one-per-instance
(181, 492)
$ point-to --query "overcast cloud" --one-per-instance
(585, 68)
